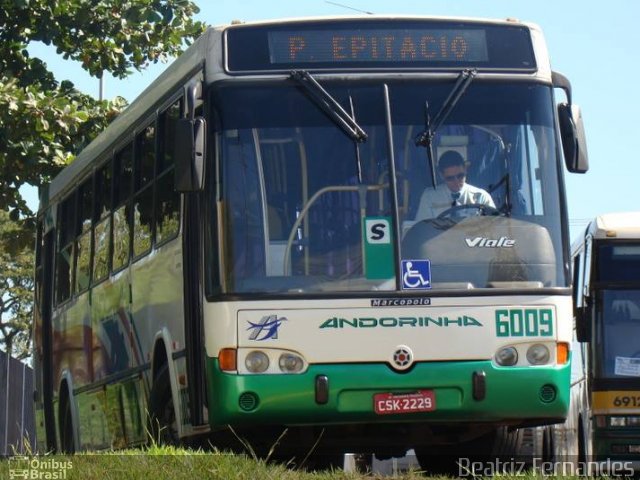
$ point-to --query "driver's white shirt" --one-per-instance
(434, 202)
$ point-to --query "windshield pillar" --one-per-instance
(393, 186)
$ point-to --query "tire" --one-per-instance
(500, 444)
(548, 445)
(507, 443)
(67, 444)
(582, 444)
(162, 414)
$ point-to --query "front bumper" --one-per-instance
(513, 395)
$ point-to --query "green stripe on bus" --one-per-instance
(511, 394)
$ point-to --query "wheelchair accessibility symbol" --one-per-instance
(416, 274)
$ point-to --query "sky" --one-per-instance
(594, 43)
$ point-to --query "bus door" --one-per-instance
(43, 345)
(193, 291)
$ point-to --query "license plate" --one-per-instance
(391, 403)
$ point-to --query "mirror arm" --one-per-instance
(560, 81)
(192, 92)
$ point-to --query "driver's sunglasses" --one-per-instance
(458, 176)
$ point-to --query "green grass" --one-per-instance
(160, 463)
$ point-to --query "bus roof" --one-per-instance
(615, 225)
(378, 17)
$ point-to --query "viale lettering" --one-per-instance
(502, 242)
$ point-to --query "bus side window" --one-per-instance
(102, 222)
(64, 249)
(123, 176)
(83, 236)
(143, 199)
(167, 211)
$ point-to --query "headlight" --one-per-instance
(538, 354)
(256, 361)
(290, 363)
(270, 361)
(507, 356)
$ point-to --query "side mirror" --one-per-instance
(189, 154)
(574, 144)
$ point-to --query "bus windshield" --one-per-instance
(619, 330)
(308, 208)
(618, 308)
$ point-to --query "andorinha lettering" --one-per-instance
(395, 322)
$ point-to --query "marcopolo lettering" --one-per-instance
(400, 302)
(400, 322)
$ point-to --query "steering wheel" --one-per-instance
(483, 209)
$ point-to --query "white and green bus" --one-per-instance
(602, 432)
(241, 247)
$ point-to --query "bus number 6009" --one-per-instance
(526, 322)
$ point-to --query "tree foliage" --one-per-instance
(40, 132)
(45, 122)
(16, 288)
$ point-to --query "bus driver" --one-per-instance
(455, 191)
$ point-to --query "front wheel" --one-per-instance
(67, 444)
(502, 444)
(162, 414)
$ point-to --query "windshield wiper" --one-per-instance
(425, 139)
(329, 105)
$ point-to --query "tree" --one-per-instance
(16, 288)
(40, 132)
(44, 123)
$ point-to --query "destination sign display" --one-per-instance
(379, 45)
(392, 44)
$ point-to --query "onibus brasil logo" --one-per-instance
(266, 328)
(35, 468)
